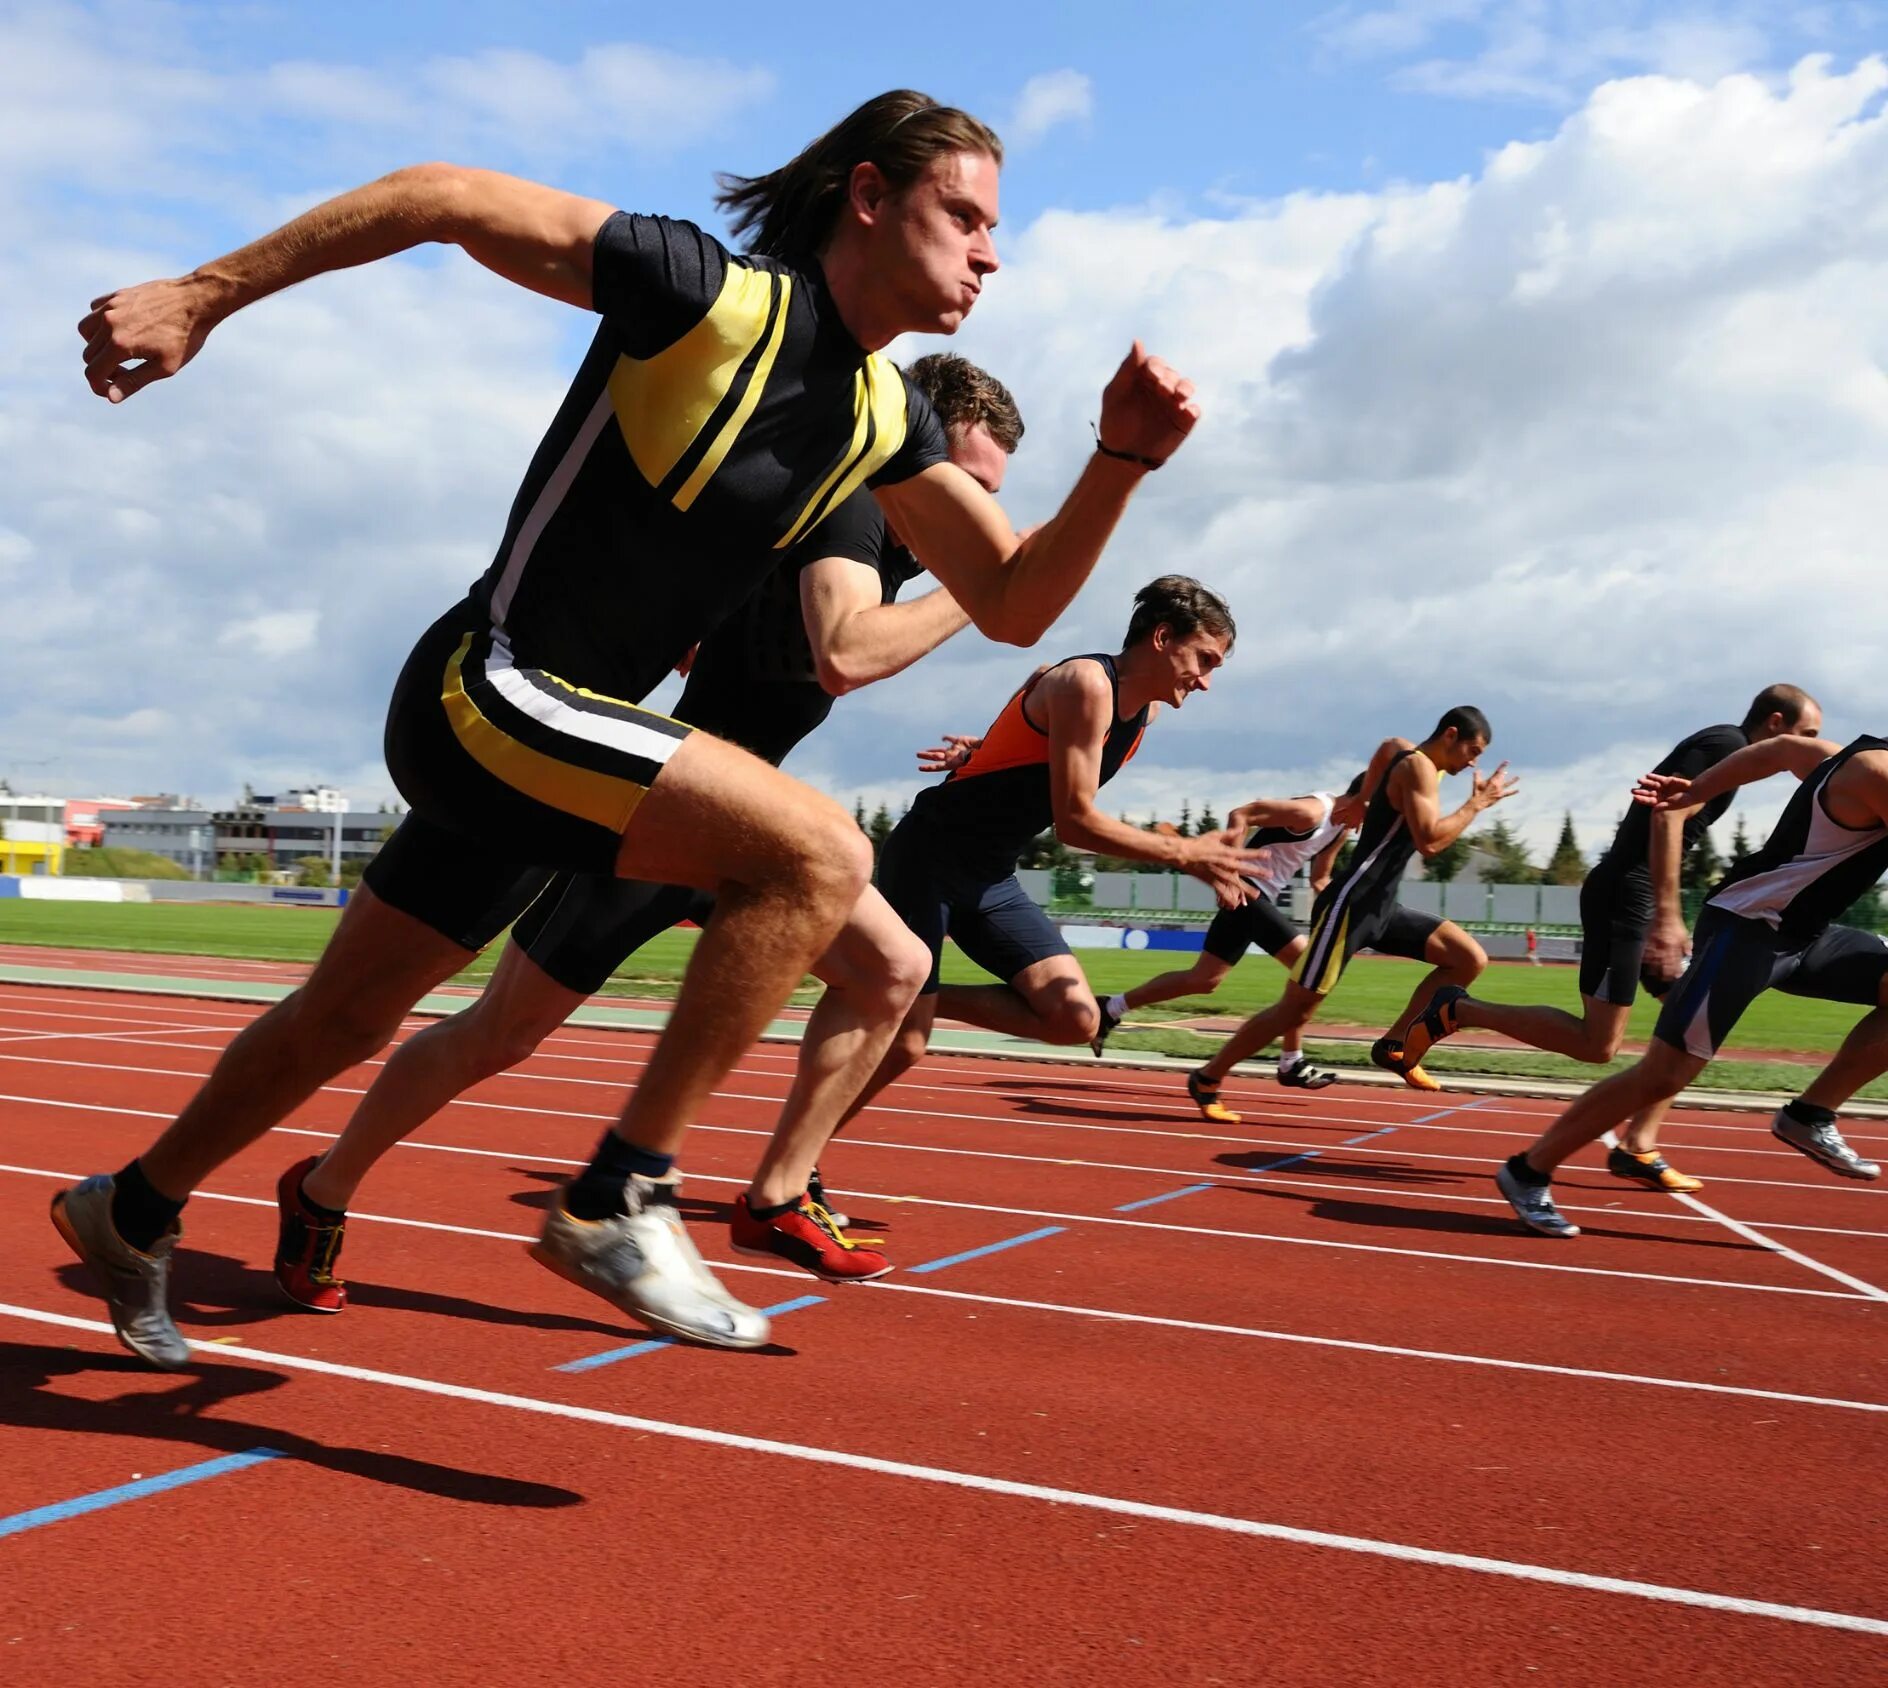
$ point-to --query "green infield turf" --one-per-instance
(1372, 993)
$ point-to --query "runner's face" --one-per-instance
(1191, 661)
(1464, 753)
(937, 246)
(979, 456)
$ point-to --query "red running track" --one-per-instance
(1335, 1417)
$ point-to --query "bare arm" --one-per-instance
(856, 637)
(539, 237)
(1787, 754)
(1074, 704)
(1295, 814)
(1414, 789)
(1667, 942)
(1014, 588)
(1322, 865)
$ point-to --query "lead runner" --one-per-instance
(728, 402)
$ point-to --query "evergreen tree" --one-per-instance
(1566, 866)
(1703, 866)
(1511, 865)
(1186, 820)
(858, 812)
(1741, 847)
(1444, 865)
(1208, 822)
(880, 829)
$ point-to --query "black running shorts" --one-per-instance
(993, 922)
(1339, 929)
(1734, 961)
(587, 925)
(1236, 930)
(463, 891)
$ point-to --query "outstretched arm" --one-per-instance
(539, 237)
(1012, 587)
(858, 638)
(1786, 754)
(1295, 814)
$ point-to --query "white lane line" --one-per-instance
(1752, 1235)
(1116, 1315)
(1025, 1212)
(977, 1481)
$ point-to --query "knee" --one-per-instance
(338, 1030)
(1606, 1044)
(890, 985)
(1467, 956)
(908, 1047)
(835, 863)
(1072, 1019)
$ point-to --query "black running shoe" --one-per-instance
(1107, 1025)
(1304, 1076)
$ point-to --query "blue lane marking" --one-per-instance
(1149, 1201)
(988, 1248)
(1362, 1137)
(591, 1361)
(82, 1504)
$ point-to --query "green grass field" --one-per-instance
(1373, 991)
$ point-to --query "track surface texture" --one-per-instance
(1293, 1401)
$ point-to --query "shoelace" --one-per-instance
(324, 1245)
(824, 1221)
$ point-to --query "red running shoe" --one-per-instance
(307, 1247)
(806, 1236)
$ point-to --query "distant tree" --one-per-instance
(858, 812)
(1869, 911)
(1443, 866)
(311, 870)
(880, 828)
(1741, 848)
(1566, 866)
(1511, 865)
(1208, 822)
(1703, 866)
(1186, 820)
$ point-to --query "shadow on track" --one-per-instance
(1387, 1172)
(188, 1408)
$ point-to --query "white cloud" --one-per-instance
(275, 633)
(1055, 97)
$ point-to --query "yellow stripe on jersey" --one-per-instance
(878, 396)
(601, 798)
(731, 430)
(662, 403)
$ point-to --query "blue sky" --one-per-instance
(1541, 341)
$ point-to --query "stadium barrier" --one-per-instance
(44, 888)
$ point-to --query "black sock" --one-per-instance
(1525, 1174)
(598, 1190)
(327, 1215)
(139, 1212)
(763, 1214)
(1807, 1113)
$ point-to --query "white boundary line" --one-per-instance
(1025, 1212)
(1112, 1315)
(1751, 1235)
(1248, 1527)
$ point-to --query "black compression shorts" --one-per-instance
(1734, 961)
(994, 923)
(1235, 930)
(585, 925)
(1339, 929)
(514, 759)
(462, 891)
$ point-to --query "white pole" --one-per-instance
(336, 874)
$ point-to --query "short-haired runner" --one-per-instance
(1632, 930)
(1770, 925)
(728, 403)
(823, 623)
(1288, 834)
(1359, 910)
(949, 867)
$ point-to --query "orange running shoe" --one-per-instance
(1387, 1053)
(1205, 1094)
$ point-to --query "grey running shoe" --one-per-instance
(1104, 1028)
(136, 1285)
(643, 1263)
(1822, 1143)
(1535, 1205)
(816, 1193)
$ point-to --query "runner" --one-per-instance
(1288, 834)
(824, 622)
(1632, 929)
(1768, 925)
(1359, 910)
(728, 402)
(949, 867)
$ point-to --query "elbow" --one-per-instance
(836, 676)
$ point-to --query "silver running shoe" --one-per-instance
(136, 1285)
(643, 1263)
(1534, 1203)
(1823, 1143)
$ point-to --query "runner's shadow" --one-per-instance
(1388, 1216)
(1387, 1171)
(185, 1408)
(215, 1292)
(1084, 1087)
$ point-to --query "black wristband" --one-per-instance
(1123, 456)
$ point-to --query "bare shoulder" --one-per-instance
(1071, 695)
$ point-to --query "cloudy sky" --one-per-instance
(1542, 345)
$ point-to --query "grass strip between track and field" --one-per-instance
(1373, 992)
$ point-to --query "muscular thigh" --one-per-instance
(1005, 933)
